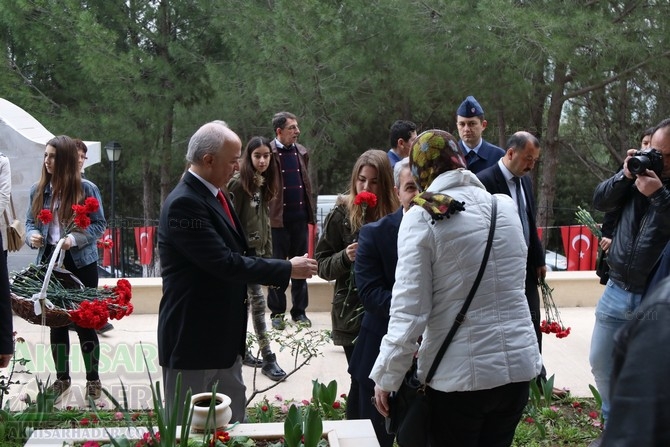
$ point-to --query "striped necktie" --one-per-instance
(521, 206)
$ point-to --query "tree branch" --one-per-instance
(616, 77)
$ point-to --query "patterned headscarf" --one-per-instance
(432, 153)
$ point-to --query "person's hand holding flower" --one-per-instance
(80, 221)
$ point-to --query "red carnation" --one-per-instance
(45, 216)
(78, 209)
(91, 204)
(105, 244)
(82, 221)
(91, 314)
(366, 198)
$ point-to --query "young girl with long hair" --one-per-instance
(61, 186)
(336, 249)
(252, 189)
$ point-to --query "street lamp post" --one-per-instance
(113, 150)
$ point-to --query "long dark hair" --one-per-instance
(65, 180)
(248, 173)
(387, 200)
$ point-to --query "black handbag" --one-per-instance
(409, 407)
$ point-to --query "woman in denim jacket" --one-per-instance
(61, 186)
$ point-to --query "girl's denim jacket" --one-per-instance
(86, 250)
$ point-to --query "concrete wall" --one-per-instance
(571, 289)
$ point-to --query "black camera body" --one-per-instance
(642, 160)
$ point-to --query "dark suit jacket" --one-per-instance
(495, 183)
(202, 318)
(488, 155)
(376, 259)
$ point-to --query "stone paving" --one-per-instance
(122, 360)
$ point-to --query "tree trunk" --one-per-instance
(545, 207)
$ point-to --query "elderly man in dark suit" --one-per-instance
(206, 265)
(376, 258)
(508, 176)
(479, 154)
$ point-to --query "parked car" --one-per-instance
(555, 261)
(324, 204)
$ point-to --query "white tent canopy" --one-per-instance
(22, 140)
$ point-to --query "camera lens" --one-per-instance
(638, 164)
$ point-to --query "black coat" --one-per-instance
(202, 319)
(376, 259)
(641, 233)
(639, 390)
(6, 328)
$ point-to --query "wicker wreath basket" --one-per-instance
(24, 306)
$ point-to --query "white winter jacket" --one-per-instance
(437, 265)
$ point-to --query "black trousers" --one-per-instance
(287, 243)
(484, 418)
(353, 397)
(533, 297)
(88, 338)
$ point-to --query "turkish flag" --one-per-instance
(144, 241)
(107, 250)
(581, 247)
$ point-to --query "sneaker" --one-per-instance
(251, 360)
(271, 370)
(94, 389)
(278, 323)
(106, 328)
(303, 320)
(59, 387)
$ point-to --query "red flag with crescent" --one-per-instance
(581, 247)
(144, 241)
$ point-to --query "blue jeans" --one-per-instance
(615, 308)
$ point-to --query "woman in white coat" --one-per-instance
(480, 387)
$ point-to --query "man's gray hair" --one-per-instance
(397, 169)
(209, 139)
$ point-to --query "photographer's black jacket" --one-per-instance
(641, 233)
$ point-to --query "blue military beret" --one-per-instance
(469, 108)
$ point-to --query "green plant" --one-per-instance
(303, 427)
(6, 381)
(303, 342)
(324, 396)
(38, 414)
(264, 411)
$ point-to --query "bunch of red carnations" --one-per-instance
(552, 323)
(112, 304)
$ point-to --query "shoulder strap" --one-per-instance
(11, 206)
(460, 318)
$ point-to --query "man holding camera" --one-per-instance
(640, 192)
